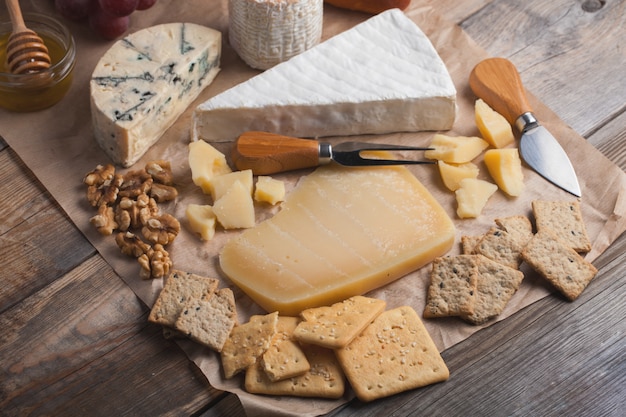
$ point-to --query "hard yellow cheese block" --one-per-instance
(340, 232)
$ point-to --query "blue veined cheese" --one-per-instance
(145, 81)
(381, 76)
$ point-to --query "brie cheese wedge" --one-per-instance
(381, 76)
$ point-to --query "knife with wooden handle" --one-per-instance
(498, 83)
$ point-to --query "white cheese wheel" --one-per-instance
(267, 32)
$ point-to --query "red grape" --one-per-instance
(145, 4)
(73, 9)
(107, 25)
(119, 7)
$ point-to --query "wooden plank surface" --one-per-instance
(75, 339)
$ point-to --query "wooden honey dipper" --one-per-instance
(26, 52)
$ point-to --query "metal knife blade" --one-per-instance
(498, 83)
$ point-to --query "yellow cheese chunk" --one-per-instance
(505, 167)
(494, 128)
(220, 184)
(201, 220)
(235, 209)
(269, 190)
(452, 174)
(341, 232)
(472, 197)
(206, 162)
(455, 149)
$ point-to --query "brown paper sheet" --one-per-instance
(58, 146)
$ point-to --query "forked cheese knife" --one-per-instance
(498, 83)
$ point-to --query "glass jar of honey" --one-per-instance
(37, 91)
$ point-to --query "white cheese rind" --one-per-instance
(383, 75)
(267, 32)
(145, 81)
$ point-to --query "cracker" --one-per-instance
(247, 342)
(496, 285)
(179, 287)
(209, 321)
(519, 227)
(393, 354)
(557, 262)
(501, 246)
(565, 220)
(284, 358)
(335, 326)
(325, 379)
(452, 286)
(468, 244)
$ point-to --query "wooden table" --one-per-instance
(551, 358)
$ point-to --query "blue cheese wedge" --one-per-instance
(381, 76)
(145, 81)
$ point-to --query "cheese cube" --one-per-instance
(235, 209)
(206, 162)
(455, 149)
(452, 174)
(220, 184)
(494, 128)
(201, 220)
(269, 190)
(472, 197)
(505, 167)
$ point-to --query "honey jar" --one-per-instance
(37, 91)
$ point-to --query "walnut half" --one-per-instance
(131, 244)
(156, 263)
(161, 229)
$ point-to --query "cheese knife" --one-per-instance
(268, 153)
(498, 83)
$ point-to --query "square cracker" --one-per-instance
(209, 321)
(501, 246)
(495, 286)
(335, 326)
(247, 342)
(565, 220)
(179, 287)
(325, 379)
(518, 226)
(452, 286)
(393, 354)
(557, 262)
(284, 358)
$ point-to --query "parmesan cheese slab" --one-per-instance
(381, 76)
(341, 232)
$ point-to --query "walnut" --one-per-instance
(136, 183)
(100, 175)
(131, 244)
(161, 229)
(104, 221)
(105, 193)
(162, 193)
(156, 263)
(160, 171)
(148, 208)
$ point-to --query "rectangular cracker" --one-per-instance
(557, 262)
(335, 326)
(519, 227)
(501, 246)
(565, 220)
(393, 354)
(452, 286)
(284, 358)
(496, 285)
(209, 321)
(179, 287)
(247, 342)
(325, 379)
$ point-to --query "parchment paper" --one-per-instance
(58, 146)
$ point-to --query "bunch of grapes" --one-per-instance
(108, 18)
